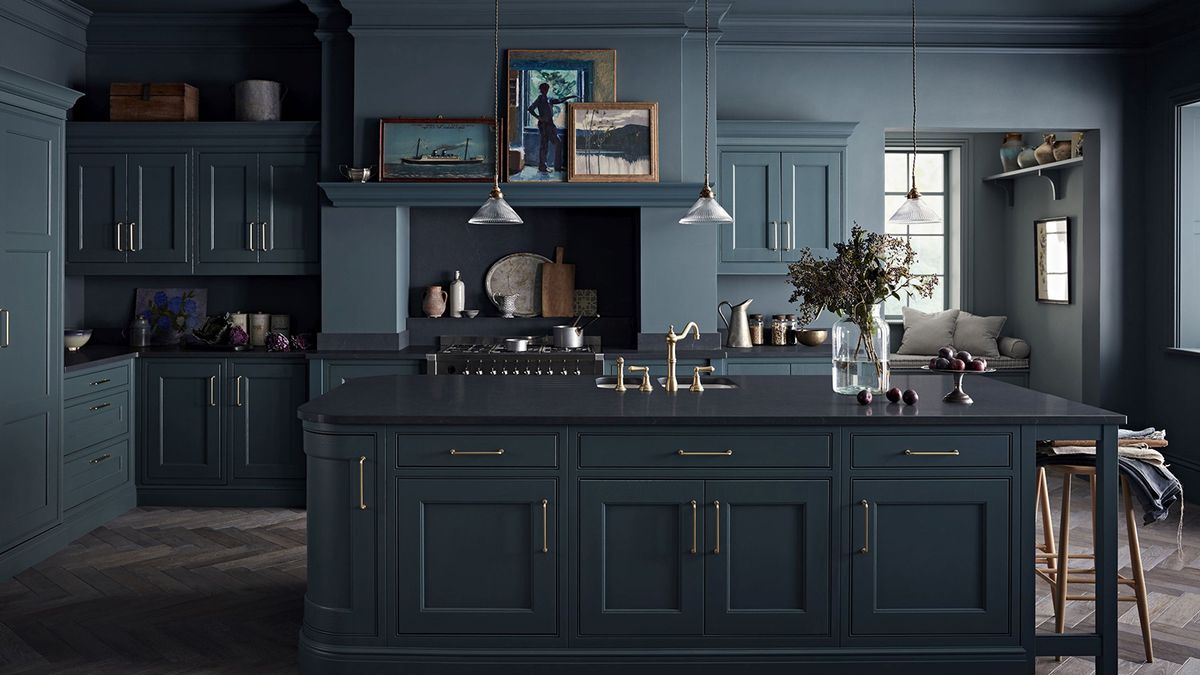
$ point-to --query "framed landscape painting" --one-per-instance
(613, 142)
(437, 150)
(541, 83)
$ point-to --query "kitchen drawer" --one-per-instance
(90, 474)
(95, 420)
(96, 381)
(949, 451)
(477, 449)
(731, 450)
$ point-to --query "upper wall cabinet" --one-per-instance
(183, 198)
(784, 185)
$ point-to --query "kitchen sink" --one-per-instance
(707, 382)
(611, 382)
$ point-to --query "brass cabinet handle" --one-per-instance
(497, 451)
(866, 527)
(212, 391)
(133, 238)
(102, 406)
(237, 391)
(931, 453)
(717, 547)
(97, 383)
(101, 458)
(7, 327)
(693, 551)
(250, 235)
(362, 491)
(723, 453)
(545, 526)
(118, 238)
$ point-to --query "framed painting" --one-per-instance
(437, 149)
(612, 142)
(173, 313)
(1052, 255)
(540, 84)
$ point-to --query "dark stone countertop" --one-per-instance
(760, 400)
(90, 356)
(93, 355)
(415, 353)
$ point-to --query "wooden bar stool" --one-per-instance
(1052, 563)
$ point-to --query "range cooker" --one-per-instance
(487, 356)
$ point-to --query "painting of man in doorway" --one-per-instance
(543, 109)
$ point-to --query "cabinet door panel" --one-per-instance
(288, 205)
(937, 559)
(158, 207)
(758, 369)
(264, 432)
(811, 202)
(770, 574)
(96, 203)
(182, 412)
(227, 229)
(750, 192)
(29, 465)
(638, 574)
(476, 556)
(29, 325)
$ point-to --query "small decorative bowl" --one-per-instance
(812, 338)
(470, 313)
(74, 339)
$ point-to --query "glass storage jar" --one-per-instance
(779, 330)
(793, 329)
(860, 351)
(756, 329)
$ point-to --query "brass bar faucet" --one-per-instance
(620, 374)
(672, 384)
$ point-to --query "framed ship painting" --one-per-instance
(437, 149)
(541, 82)
(612, 142)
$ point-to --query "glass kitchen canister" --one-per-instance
(756, 329)
(860, 352)
(779, 330)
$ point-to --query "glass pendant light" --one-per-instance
(914, 210)
(496, 211)
(706, 209)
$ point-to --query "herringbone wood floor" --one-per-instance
(174, 590)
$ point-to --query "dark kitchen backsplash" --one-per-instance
(602, 243)
(107, 302)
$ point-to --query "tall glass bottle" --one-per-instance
(860, 351)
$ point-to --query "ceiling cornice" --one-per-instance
(189, 31)
(562, 17)
(36, 94)
(60, 20)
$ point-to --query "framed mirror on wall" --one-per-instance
(1052, 256)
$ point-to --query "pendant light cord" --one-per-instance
(913, 176)
(496, 99)
(707, 182)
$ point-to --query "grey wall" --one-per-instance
(44, 39)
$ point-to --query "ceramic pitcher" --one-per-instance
(738, 323)
(507, 304)
(434, 304)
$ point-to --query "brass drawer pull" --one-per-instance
(717, 547)
(101, 458)
(250, 236)
(237, 391)
(101, 406)
(693, 551)
(7, 328)
(723, 453)
(545, 526)
(456, 453)
(120, 242)
(362, 483)
(212, 391)
(97, 383)
(866, 527)
(133, 247)
(931, 453)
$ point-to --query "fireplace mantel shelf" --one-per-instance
(671, 195)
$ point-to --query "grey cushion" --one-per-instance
(978, 334)
(1014, 347)
(927, 333)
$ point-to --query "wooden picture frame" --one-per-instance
(438, 161)
(1052, 260)
(605, 142)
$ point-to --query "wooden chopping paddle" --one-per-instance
(558, 286)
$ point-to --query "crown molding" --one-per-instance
(784, 133)
(60, 20)
(190, 31)
(562, 17)
(36, 94)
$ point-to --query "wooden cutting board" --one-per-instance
(558, 286)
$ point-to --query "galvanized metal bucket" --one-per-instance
(258, 101)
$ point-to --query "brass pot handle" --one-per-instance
(693, 551)
(931, 453)
(717, 547)
(866, 527)
(456, 453)
(723, 453)
(545, 526)
(362, 491)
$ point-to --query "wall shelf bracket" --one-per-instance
(1051, 172)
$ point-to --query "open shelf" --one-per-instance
(1051, 172)
(675, 195)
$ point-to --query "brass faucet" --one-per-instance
(672, 384)
(645, 371)
(698, 386)
(620, 374)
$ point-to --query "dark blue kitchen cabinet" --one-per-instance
(288, 207)
(750, 189)
(327, 374)
(931, 558)
(228, 229)
(181, 420)
(641, 563)
(475, 556)
(264, 438)
(767, 558)
(97, 207)
(158, 208)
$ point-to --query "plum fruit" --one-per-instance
(942, 363)
(946, 353)
(865, 397)
(910, 397)
(977, 364)
(933, 363)
(893, 394)
(964, 356)
(958, 364)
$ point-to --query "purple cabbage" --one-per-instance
(238, 336)
(277, 342)
(301, 343)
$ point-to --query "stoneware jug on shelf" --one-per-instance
(458, 295)
(434, 303)
(738, 323)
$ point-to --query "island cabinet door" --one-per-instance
(930, 558)
(181, 414)
(641, 558)
(767, 556)
(264, 433)
(476, 556)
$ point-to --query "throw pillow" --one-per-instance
(925, 334)
(978, 334)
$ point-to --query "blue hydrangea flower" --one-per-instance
(160, 299)
(164, 323)
(189, 307)
(174, 304)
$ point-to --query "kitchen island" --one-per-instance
(493, 525)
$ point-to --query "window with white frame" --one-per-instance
(931, 241)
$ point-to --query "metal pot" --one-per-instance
(517, 344)
(571, 337)
(258, 100)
